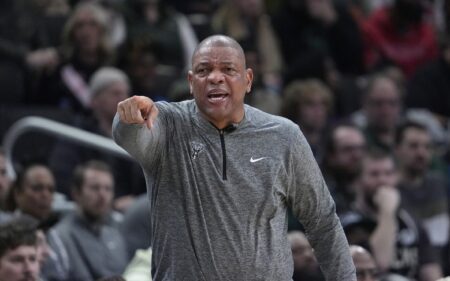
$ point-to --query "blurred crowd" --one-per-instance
(367, 81)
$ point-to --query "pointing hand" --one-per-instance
(137, 110)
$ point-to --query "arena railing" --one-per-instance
(50, 127)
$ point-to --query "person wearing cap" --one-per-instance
(107, 87)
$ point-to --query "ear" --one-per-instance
(190, 78)
(249, 76)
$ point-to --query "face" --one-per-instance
(314, 113)
(219, 81)
(366, 269)
(4, 179)
(350, 146)
(383, 105)
(105, 102)
(377, 173)
(415, 151)
(87, 31)
(302, 253)
(20, 264)
(36, 195)
(143, 71)
(96, 194)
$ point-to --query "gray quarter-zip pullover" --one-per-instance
(219, 197)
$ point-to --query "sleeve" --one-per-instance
(143, 144)
(312, 204)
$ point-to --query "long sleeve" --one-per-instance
(141, 143)
(314, 207)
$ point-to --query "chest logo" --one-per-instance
(196, 148)
(253, 160)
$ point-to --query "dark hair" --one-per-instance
(375, 153)
(330, 143)
(16, 233)
(80, 170)
(402, 128)
(17, 186)
(298, 92)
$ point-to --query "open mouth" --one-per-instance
(217, 97)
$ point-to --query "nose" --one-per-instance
(216, 77)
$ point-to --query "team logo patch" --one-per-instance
(196, 148)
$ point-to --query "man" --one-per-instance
(88, 242)
(32, 193)
(423, 191)
(345, 147)
(18, 252)
(221, 175)
(382, 107)
(398, 243)
(366, 268)
(306, 267)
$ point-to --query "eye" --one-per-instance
(201, 71)
(229, 70)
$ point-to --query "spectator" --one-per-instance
(423, 191)
(25, 48)
(86, 48)
(32, 192)
(344, 150)
(399, 35)
(92, 246)
(327, 39)
(429, 87)
(366, 268)
(108, 86)
(248, 23)
(18, 252)
(381, 111)
(142, 63)
(309, 104)
(399, 244)
(306, 267)
(155, 22)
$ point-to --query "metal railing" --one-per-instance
(50, 127)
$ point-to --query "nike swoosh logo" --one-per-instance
(256, 160)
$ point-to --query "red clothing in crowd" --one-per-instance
(407, 49)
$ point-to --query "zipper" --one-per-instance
(224, 155)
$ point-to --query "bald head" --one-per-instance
(219, 41)
(366, 268)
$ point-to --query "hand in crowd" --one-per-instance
(387, 199)
(43, 59)
(137, 110)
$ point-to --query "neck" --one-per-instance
(225, 122)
